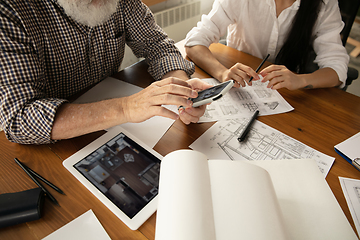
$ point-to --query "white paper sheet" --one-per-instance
(251, 188)
(190, 208)
(263, 143)
(149, 131)
(351, 189)
(350, 147)
(243, 101)
(309, 207)
(84, 227)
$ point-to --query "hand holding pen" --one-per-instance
(259, 67)
(241, 72)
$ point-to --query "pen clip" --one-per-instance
(356, 163)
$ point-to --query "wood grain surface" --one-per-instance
(322, 118)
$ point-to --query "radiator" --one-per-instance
(179, 20)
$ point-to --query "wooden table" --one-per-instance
(322, 118)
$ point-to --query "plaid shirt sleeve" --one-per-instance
(39, 70)
(26, 114)
(148, 40)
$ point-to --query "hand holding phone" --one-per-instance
(212, 94)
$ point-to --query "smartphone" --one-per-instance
(212, 94)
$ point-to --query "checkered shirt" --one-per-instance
(45, 57)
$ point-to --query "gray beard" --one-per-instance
(85, 12)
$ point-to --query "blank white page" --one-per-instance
(309, 207)
(184, 202)
(244, 200)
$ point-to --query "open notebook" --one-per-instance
(224, 200)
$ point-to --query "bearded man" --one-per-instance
(52, 49)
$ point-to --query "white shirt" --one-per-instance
(253, 28)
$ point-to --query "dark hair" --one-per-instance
(298, 44)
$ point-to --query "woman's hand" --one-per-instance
(241, 74)
(279, 76)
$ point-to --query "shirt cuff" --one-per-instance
(170, 63)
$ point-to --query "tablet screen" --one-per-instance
(126, 173)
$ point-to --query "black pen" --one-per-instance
(248, 126)
(37, 183)
(43, 179)
(262, 63)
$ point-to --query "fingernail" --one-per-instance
(180, 107)
(194, 94)
(190, 103)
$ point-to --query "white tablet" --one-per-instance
(122, 172)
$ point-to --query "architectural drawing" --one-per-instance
(351, 190)
(243, 101)
(357, 192)
(262, 143)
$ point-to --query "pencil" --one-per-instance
(37, 182)
(261, 64)
(43, 179)
(248, 126)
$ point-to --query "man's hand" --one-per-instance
(148, 102)
(189, 114)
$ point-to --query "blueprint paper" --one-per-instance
(263, 143)
(351, 190)
(243, 101)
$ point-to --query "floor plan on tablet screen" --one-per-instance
(126, 174)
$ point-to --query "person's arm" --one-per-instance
(176, 73)
(202, 57)
(73, 120)
(324, 77)
(331, 56)
(26, 111)
(330, 53)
